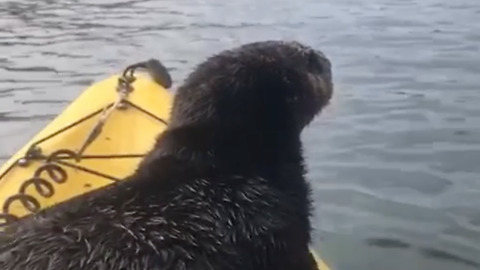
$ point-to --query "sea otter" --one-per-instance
(223, 187)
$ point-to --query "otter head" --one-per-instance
(276, 85)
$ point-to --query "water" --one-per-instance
(395, 159)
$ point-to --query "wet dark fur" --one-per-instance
(223, 188)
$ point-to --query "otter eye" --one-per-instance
(315, 62)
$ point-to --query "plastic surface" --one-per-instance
(126, 132)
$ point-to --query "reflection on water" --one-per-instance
(394, 160)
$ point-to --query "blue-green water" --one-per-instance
(394, 161)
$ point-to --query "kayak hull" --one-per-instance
(115, 153)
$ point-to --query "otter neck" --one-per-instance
(266, 152)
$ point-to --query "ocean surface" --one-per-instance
(395, 159)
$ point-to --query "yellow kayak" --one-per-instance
(98, 139)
